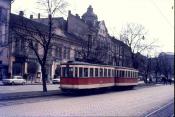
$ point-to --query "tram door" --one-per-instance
(57, 72)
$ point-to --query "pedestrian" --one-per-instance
(164, 80)
(169, 80)
(31, 78)
(150, 80)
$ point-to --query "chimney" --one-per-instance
(31, 16)
(38, 15)
(77, 16)
(21, 13)
(69, 12)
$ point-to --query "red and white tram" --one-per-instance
(80, 75)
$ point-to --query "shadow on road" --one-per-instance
(82, 92)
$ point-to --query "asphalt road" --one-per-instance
(138, 102)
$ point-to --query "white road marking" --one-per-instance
(159, 109)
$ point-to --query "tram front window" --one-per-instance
(67, 72)
(76, 72)
(64, 72)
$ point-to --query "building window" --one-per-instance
(1, 36)
(3, 15)
(59, 52)
(68, 53)
(64, 53)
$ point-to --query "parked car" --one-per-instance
(172, 79)
(56, 80)
(14, 80)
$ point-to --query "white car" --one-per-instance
(56, 81)
(14, 80)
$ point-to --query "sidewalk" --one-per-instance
(29, 83)
(9, 92)
(22, 95)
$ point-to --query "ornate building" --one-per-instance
(84, 39)
(5, 6)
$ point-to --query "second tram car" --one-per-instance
(81, 75)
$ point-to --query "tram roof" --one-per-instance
(90, 64)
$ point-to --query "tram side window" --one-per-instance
(132, 74)
(70, 74)
(122, 75)
(91, 72)
(76, 72)
(85, 72)
(105, 72)
(129, 74)
(80, 72)
(101, 72)
(96, 72)
(113, 73)
(136, 74)
(119, 73)
(109, 73)
(116, 73)
(125, 74)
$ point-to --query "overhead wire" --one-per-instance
(161, 13)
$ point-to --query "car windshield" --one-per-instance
(17, 77)
(56, 78)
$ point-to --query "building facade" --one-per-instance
(5, 6)
(77, 38)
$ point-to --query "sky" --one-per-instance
(157, 16)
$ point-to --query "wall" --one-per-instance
(76, 26)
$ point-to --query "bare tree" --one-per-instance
(39, 39)
(93, 50)
(165, 66)
(51, 7)
(134, 36)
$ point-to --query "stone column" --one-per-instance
(25, 67)
(53, 67)
(39, 71)
(10, 68)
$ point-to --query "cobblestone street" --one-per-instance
(120, 103)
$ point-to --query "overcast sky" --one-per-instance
(157, 16)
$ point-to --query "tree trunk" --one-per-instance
(44, 77)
